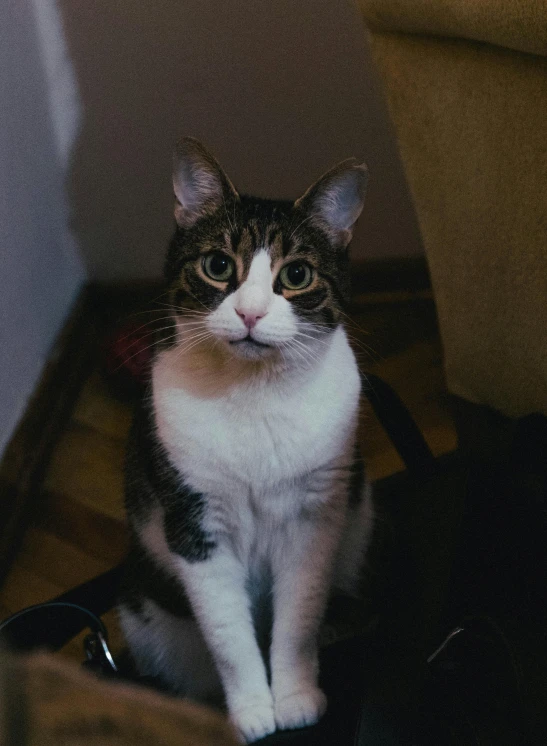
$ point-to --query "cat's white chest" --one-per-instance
(257, 437)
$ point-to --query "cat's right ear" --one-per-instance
(199, 183)
(336, 200)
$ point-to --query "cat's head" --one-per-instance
(259, 278)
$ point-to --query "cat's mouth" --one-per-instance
(250, 348)
(248, 341)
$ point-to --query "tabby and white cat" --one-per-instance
(246, 495)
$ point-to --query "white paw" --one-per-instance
(254, 721)
(301, 708)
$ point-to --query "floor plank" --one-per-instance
(24, 587)
(97, 409)
(97, 534)
(88, 467)
(45, 555)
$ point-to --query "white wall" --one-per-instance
(280, 90)
(40, 270)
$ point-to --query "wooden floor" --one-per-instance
(78, 529)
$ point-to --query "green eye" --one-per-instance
(218, 266)
(296, 275)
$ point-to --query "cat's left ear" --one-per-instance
(199, 183)
(335, 201)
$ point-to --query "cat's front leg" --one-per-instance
(216, 589)
(302, 568)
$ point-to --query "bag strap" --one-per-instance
(398, 423)
(52, 624)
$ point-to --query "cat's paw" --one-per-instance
(254, 721)
(301, 708)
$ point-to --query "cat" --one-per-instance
(246, 494)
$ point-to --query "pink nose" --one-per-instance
(249, 319)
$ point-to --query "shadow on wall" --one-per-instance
(279, 93)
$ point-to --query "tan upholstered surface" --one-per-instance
(58, 704)
(472, 129)
(516, 24)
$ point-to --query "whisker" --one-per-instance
(143, 326)
(152, 302)
(304, 351)
(226, 211)
(312, 355)
(309, 217)
(148, 334)
(190, 319)
(173, 307)
(193, 334)
(367, 349)
(148, 310)
(201, 338)
(310, 336)
(204, 306)
(192, 324)
(350, 320)
(144, 349)
(293, 349)
(183, 308)
(191, 311)
(199, 335)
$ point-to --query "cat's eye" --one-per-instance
(218, 266)
(296, 275)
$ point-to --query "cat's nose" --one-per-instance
(249, 319)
